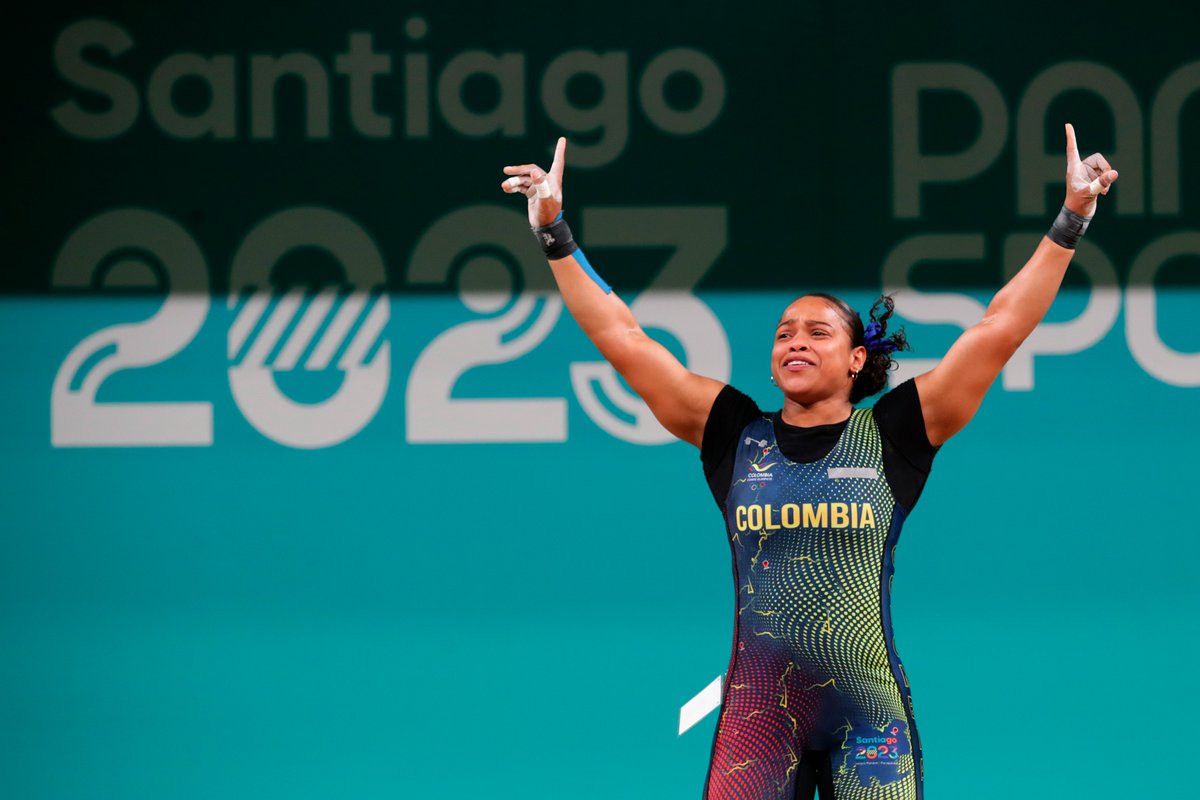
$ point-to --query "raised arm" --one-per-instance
(952, 391)
(679, 399)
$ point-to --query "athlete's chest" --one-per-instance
(844, 490)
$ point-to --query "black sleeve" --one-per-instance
(730, 413)
(907, 453)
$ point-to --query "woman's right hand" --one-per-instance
(542, 189)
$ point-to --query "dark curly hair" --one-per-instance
(873, 376)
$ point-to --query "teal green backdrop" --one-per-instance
(310, 487)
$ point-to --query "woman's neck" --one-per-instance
(819, 412)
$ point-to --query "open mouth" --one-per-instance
(797, 363)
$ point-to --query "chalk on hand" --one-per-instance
(543, 189)
(1095, 187)
(514, 182)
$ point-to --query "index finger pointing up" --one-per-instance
(560, 153)
(1072, 148)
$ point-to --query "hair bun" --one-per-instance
(872, 378)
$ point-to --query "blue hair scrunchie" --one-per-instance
(875, 342)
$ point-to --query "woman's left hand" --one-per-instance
(1085, 179)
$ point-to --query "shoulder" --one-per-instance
(901, 405)
(731, 411)
(901, 421)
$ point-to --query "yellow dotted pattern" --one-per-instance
(813, 598)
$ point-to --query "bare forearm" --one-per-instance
(952, 391)
(679, 399)
(1022, 303)
(603, 316)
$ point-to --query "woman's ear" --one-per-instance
(858, 358)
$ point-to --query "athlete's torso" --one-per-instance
(811, 544)
(814, 666)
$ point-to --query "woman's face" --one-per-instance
(812, 358)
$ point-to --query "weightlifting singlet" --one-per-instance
(815, 691)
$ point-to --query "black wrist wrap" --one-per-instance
(1068, 228)
(556, 240)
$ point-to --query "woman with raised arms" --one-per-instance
(814, 496)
